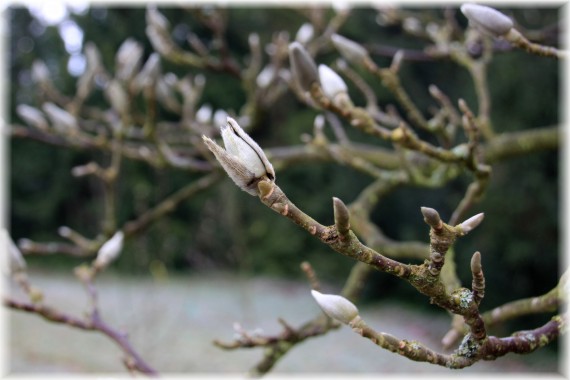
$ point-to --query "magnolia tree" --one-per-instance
(407, 147)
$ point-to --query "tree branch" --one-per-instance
(95, 323)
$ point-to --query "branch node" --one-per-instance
(266, 188)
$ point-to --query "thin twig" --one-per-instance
(95, 323)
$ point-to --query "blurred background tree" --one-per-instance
(525, 91)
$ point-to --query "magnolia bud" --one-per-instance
(200, 81)
(331, 83)
(302, 65)
(472, 223)
(265, 76)
(92, 56)
(159, 41)
(64, 231)
(220, 117)
(305, 33)
(204, 114)
(40, 72)
(461, 150)
(336, 307)
(412, 25)
(165, 94)
(117, 97)
(350, 50)
(341, 6)
(253, 40)
(128, 59)
(32, 116)
(16, 262)
(431, 217)
(487, 19)
(397, 61)
(110, 250)
(62, 120)
(243, 160)
(151, 67)
(149, 74)
(476, 263)
(156, 19)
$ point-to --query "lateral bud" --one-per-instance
(397, 61)
(478, 282)
(341, 218)
(476, 263)
(350, 50)
(109, 251)
(303, 66)
(156, 19)
(128, 59)
(471, 223)
(62, 121)
(150, 72)
(117, 96)
(32, 116)
(305, 33)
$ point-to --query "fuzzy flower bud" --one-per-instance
(265, 77)
(350, 50)
(117, 97)
(151, 67)
(92, 56)
(243, 159)
(165, 94)
(32, 116)
(476, 263)
(159, 41)
(64, 231)
(412, 25)
(253, 40)
(128, 59)
(471, 223)
(220, 117)
(461, 150)
(110, 250)
(305, 33)
(341, 6)
(331, 83)
(149, 74)
(62, 120)
(431, 217)
(156, 19)
(487, 19)
(40, 72)
(204, 114)
(302, 65)
(336, 307)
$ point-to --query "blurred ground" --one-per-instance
(173, 322)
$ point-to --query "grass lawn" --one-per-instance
(172, 324)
